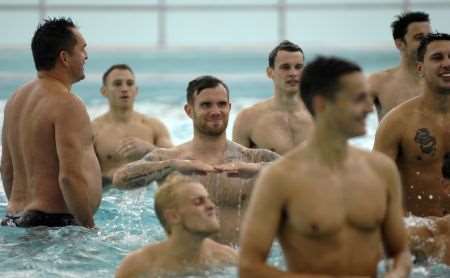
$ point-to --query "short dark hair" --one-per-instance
(321, 77)
(113, 67)
(200, 83)
(286, 46)
(431, 37)
(400, 25)
(50, 38)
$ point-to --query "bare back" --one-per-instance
(418, 141)
(265, 126)
(110, 134)
(43, 124)
(392, 87)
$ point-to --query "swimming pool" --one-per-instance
(126, 220)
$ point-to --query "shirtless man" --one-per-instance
(50, 174)
(188, 216)
(332, 206)
(281, 122)
(225, 168)
(393, 86)
(123, 135)
(417, 134)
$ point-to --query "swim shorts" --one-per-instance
(33, 218)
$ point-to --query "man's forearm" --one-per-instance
(141, 173)
(77, 201)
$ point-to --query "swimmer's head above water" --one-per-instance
(183, 204)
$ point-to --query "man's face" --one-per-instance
(436, 66)
(78, 57)
(197, 212)
(286, 72)
(352, 105)
(415, 33)
(120, 88)
(210, 110)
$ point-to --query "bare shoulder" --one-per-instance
(151, 122)
(255, 110)
(221, 253)
(378, 161)
(100, 121)
(139, 262)
(379, 77)
(402, 112)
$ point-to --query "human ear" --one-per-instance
(188, 110)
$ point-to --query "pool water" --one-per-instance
(126, 220)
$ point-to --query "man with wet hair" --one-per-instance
(333, 207)
(49, 170)
(189, 217)
(123, 135)
(225, 168)
(417, 134)
(281, 122)
(393, 86)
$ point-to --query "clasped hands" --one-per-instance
(232, 169)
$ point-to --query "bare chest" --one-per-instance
(108, 140)
(425, 141)
(281, 131)
(227, 191)
(324, 205)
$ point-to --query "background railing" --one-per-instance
(163, 8)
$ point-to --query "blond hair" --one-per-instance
(165, 197)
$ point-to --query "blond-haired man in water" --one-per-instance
(49, 169)
(123, 135)
(225, 168)
(188, 216)
(332, 206)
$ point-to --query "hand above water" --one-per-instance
(239, 169)
(189, 167)
(134, 148)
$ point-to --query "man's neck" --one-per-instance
(56, 77)
(409, 68)
(329, 145)
(435, 101)
(287, 101)
(185, 246)
(203, 144)
(121, 114)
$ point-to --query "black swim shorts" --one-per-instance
(35, 218)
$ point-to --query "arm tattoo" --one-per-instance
(426, 141)
(138, 176)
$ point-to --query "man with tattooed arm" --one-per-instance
(225, 168)
(417, 136)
